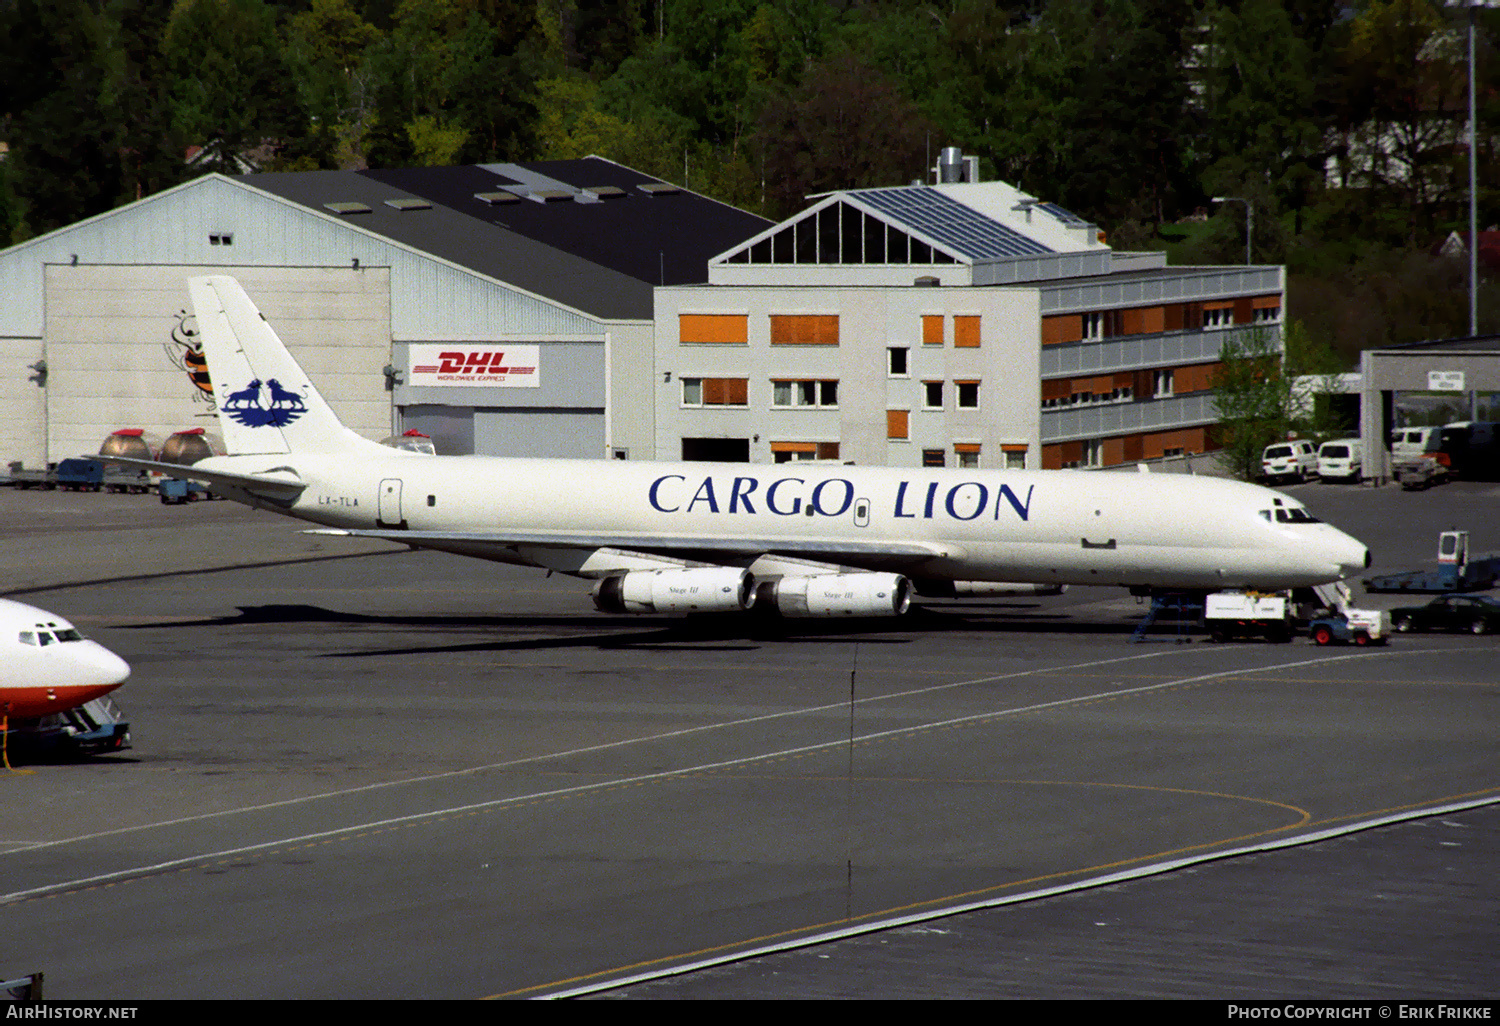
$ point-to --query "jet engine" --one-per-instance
(839, 595)
(697, 590)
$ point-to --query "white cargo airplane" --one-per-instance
(811, 540)
(50, 667)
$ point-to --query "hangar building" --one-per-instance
(378, 280)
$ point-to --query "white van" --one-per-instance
(1409, 442)
(1296, 460)
(1341, 459)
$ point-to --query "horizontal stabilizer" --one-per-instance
(277, 486)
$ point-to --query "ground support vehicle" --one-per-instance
(1476, 614)
(1415, 472)
(1350, 626)
(1228, 615)
(21, 477)
(1455, 571)
(1186, 605)
(121, 482)
(90, 729)
(174, 491)
(79, 475)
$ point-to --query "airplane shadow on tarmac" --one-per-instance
(701, 632)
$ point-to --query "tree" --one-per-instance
(1252, 397)
(231, 91)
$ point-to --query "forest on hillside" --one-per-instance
(1343, 123)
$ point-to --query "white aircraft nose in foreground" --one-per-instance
(669, 537)
(48, 666)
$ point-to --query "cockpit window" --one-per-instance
(1266, 513)
(43, 638)
(69, 634)
(28, 638)
(1294, 515)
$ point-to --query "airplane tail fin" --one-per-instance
(266, 402)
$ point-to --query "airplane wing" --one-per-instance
(279, 487)
(716, 549)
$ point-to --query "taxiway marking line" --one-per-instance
(160, 867)
(840, 929)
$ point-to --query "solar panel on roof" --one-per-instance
(1067, 217)
(961, 228)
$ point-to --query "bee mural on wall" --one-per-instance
(185, 350)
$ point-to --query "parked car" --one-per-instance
(1478, 614)
(1409, 442)
(1295, 460)
(1341, 459)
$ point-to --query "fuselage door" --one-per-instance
(389, 512)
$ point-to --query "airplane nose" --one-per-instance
(97, 666)
(1353, 557)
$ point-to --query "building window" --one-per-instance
(805, 393)
(896, 424)
(932, 329)
(896, 361)
(1218, 315)
(1267, 314)
(934, 458)
(788, 452)
(713, 329)
(715, 391)
(966, 332)
(968, 394)
(1093, 326)
(805, 330)
(966, 455)
(932, 395)
(1015, 456)
(1163, 383)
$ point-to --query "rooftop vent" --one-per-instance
(605, 192)
(550, 195)
(659, 188)
(408, 203)
(347, 207)
(496, 198)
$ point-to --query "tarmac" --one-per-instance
(362, 771)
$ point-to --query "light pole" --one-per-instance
(1473, 6)
(1249, 219)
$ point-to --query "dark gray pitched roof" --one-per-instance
(602, 254)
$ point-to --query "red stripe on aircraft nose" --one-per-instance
(41, 701)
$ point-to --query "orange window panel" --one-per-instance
(1063, 328)
(726, 391)
(1058, 388)
(1144, 320)
(1266, 302)
(794, 447)
(1052, 457)
(896, 423)
(804, 329)
(932, 329)
(974, 447)
(713, 329)
(966, 332)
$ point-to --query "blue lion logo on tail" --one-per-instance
(245, 406)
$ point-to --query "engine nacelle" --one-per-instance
(697, 590)
(839, 595)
